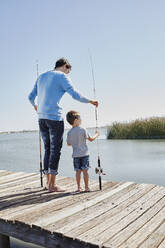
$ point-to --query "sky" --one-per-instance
(126, 39)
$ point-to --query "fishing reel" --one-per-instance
(99, 171)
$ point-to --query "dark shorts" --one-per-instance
(81, 163)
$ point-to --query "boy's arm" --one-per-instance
(93, 137)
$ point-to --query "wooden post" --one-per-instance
(4, 241)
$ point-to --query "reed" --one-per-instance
(150, 128)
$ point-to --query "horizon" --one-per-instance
(92, 127)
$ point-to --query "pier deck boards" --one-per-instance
(122, 215)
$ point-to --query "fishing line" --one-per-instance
(94, 93)
(98, 169)
(41, 170)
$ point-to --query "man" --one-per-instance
(49, 89)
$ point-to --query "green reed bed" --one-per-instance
(150, 128)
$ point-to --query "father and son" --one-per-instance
(49, 89)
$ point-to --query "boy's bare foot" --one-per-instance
(46, 186)
(56, 189)
(87, 190)
(79, 190)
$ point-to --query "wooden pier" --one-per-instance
(122, 215)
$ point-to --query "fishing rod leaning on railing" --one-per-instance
(40, 145)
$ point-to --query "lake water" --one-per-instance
(141, 161)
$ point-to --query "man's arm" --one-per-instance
(33, 95)
(67, 86)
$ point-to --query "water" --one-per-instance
(141, 161)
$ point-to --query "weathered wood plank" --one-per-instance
(105, 212)
(54, 202)
(43, 198)
(135, 233)
(156, 236)
(36, 235)
(4, 173)
(162, 245)
(103, 232)
(122, 215)
(19, 181)
(47, 220)
(23, 199)
(74, 221)
(11, 177)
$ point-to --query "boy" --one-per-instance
(76, 137)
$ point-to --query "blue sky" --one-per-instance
(126, 39)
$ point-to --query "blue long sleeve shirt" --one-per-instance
(49, 89)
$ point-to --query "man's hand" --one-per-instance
(35, 107)
(95, 103)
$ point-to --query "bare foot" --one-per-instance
(46, 186)
(56, 189)
(79, 190)
(87, 190)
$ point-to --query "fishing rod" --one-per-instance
(41, 170)
(98, 169)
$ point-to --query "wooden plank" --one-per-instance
(121, 215)
(78, 207)
(51, 203)
(24, 185)
(156, 237)
(20, 180)
(162, 245)
(36, 202)
(135, 233)
(36, 235)
(86, 220)
(23, 197)
(11, 177)
(27, 185)
(112, 226)
(4, 173)
(73, 221)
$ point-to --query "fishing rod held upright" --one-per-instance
(41, 170)
(98, 169)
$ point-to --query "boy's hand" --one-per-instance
(95, 103)
(97, 133)
(35, 107)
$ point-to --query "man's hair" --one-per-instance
(62, 62)
(72, 116)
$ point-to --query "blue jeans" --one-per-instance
(52, 136)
